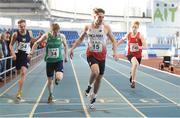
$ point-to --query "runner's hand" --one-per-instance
(29, 56)
(115, 56)
(71, 54)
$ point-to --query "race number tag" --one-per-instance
(134, 47)
(23, 46)
(53, 52)
(96, 46)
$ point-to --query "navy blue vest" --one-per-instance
(23, 38)
(23, 42)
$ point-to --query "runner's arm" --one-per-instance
(80, 39)
(64, 41)
(113, 40)
(122, 40)
(144, 44)
(13, 40)
(42, 38)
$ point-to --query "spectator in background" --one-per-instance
(5, 44)
(1, 62)
(7, 40)
(5, 51)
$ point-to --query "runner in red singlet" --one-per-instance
(135, 43)
(97, 33)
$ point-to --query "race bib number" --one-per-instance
(96, 46)
(53, 52)
(134, 47)
(23, 46)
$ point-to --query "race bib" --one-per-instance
(23, 46)
(96, 46)
(53, 52)
(134, 47)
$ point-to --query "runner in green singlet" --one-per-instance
(53, 56)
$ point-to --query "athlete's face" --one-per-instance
(22, 27)
(55, 32)
(135, 28)
(98, 18)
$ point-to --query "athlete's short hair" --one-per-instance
(98, 10)
(21, 21)
(55, 26)
(136, 22)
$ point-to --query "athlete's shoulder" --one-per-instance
(14, 35)
(141, 35)
(30, 33)
(106, 25)
(62, 35)
(87, 27)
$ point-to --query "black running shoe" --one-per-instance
(93, 100)
(133, 85)
(130, 79)
(56, 81)
(87, 90)
(91, 106)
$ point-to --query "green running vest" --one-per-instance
(53, 49)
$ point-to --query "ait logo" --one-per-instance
(165, 11)
(23, 39)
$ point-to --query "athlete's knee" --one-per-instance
(59, 75)
(50, 80)
(95, 73)
(135, 64)
(23, 73)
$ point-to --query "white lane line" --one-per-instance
(161, 71)
(152, 68)
(72, 111)
(5, 91)
(79, 90)
(130, 104)
(38, 100)
(146, 87)
(97, 103)
(124, 98)
(157, 78)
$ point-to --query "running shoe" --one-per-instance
(130, 79)
(92, 101)
(56, 81)
(50, 98)
(133, 84)
(19, 95)
(87, 91)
